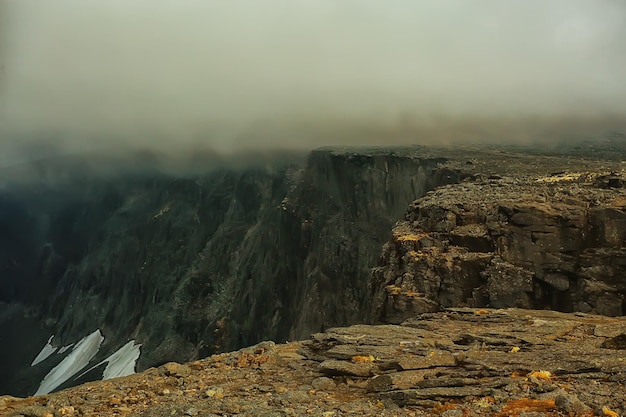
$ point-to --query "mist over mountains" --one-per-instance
(165, 76)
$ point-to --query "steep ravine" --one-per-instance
(188, 265)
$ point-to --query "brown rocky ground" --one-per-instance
(458, 362)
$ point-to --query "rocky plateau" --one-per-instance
(541, 233)
(457, 362)
(492, 280)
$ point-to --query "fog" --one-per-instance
(238, 75)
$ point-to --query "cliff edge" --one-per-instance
(527, 232)
(458, 362)
(178, 267)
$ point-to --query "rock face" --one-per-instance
(193, 263)
(528, 239)
(458, 362)
(188, 265)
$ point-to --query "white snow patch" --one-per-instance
(46, 351)
(80, 356)
(120, 363)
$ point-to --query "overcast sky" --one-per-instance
(234, 74)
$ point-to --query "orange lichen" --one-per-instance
(606, 411)
(545, 375)
(247, 359)
(393, 290)
(440, 408)
(409, 237)
(416, 255)
(363, 359)
(527, 404)
(485, 402)
(412, 294)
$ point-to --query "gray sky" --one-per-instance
(295, 73)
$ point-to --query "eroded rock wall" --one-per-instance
(554, 242)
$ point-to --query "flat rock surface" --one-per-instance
(457, 362)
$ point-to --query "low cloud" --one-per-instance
(82, 76)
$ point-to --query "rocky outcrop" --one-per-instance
(493, 362)
(458, 362)
(554, 241)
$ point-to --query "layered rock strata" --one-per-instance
(551, 241)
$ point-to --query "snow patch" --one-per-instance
(80, 356)
(121, 363)
(46, 351)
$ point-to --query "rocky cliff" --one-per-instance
(534, 232)
(458, 362)
(188, 265)
(224, 255)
